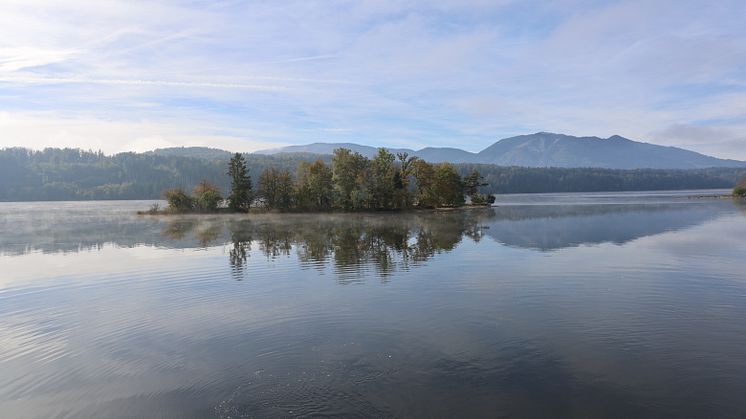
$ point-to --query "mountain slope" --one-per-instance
(446, 154)
(558, 150)
(193, 152)
(545, 149)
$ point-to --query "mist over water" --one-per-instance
(575, 305)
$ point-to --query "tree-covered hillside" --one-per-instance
(69, 174)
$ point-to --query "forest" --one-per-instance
(73, 174)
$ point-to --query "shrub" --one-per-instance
(178, 200)
(207, 197)
(482, 199)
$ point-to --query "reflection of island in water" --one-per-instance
(349, 242)
(390, 242)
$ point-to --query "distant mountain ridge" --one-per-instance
(194, 152)
(544, 149)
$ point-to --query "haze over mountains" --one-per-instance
(545, 149)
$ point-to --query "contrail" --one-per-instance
(136, 82)
(172, 83)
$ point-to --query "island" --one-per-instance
(352, 182)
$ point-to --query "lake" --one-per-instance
(613, 305)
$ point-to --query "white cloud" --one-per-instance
(18, 58)
(727, 141)
(115, 136)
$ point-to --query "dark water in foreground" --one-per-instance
(574, 306)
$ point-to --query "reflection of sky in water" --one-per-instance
(606, 311)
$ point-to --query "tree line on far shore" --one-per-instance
(352, 182)
(71, 174)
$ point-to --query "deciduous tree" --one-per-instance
(207, 197)
(314, 187)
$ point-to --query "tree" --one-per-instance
(314, 187)
(447, 186)
(178, 200)
(207, 197)
(740, 189)
(424, 176)
(275, 188)
(402, 194)
(241, 190)
(382, 180)
(350, 177)
(472, 182)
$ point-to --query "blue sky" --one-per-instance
(246, 75)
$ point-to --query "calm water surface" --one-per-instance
(548, 306)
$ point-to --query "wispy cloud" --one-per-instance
(444, 73)
(18, 58)
(162, 83)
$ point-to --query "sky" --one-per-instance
(246, 75)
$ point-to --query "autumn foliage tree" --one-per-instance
(207, 197)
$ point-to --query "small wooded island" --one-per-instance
(352, 183)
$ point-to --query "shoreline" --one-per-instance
(226, 211)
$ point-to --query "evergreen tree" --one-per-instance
(472, 182)
(241, 189)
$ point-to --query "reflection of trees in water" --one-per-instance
(350, 244)
(205, 232)
(179, 229)
(344, 240)
(274, 240)
(741, 204)
(238, 254)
